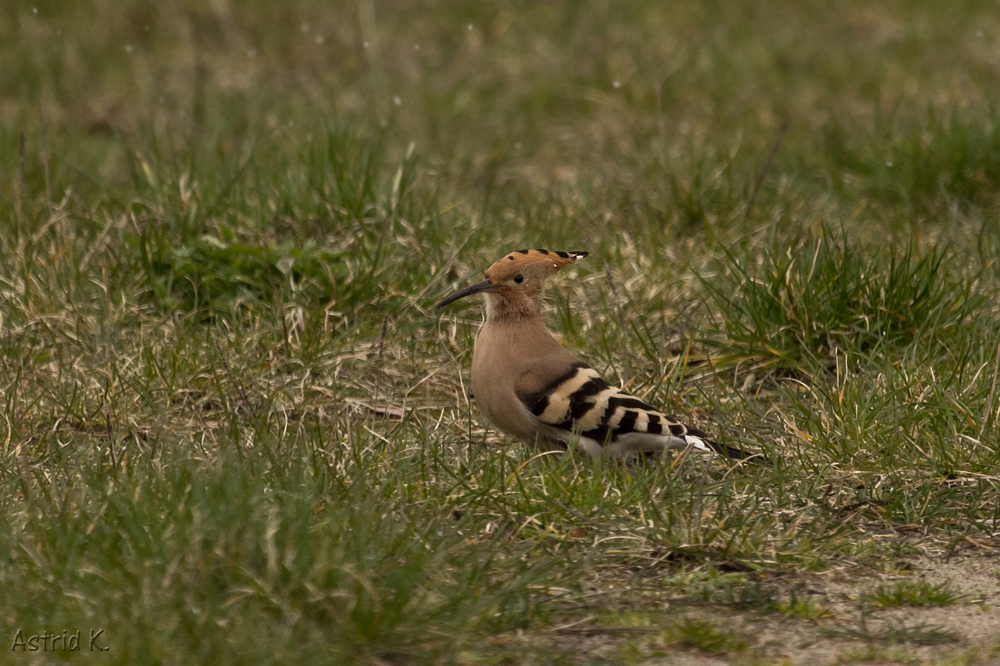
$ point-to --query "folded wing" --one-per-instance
(580, 403)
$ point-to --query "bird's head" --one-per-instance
(515, 283)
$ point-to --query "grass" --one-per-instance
(704, 636)
(234, 428)
(913, 593)
(303, 553)
(820, 298)
(895, 632)
(751, 593)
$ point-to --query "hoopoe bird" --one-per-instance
(532, 388)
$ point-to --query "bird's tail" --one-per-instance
(737, 454)
(699, 441)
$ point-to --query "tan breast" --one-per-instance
(509, 357)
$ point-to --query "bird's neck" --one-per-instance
(504, 310)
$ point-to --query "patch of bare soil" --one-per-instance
(964, 632)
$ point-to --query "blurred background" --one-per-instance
(552, 120)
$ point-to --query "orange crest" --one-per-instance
(516, 262)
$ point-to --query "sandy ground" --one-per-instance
(974, 622)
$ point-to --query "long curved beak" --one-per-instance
(477, 288)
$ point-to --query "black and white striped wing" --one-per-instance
(581, 403)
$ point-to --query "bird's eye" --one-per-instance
(519, 279)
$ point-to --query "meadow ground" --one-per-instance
(236, 431)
